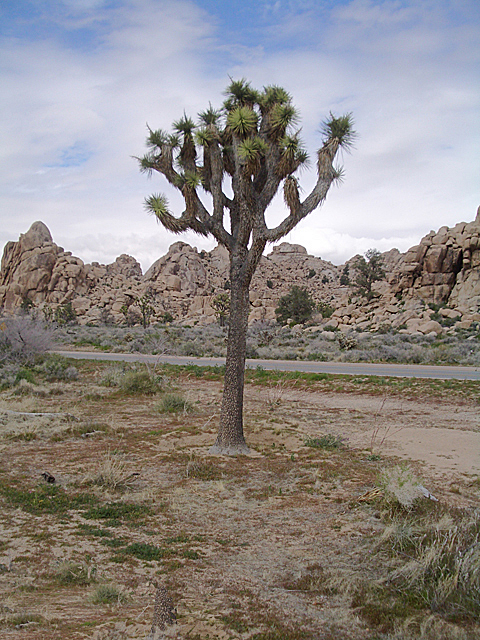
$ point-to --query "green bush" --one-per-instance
(108, 594)
(139, 382)
(74, 573)
(297, 305)
(174, 403)
(58, 368)
(328, 441)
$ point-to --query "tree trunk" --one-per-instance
(230, 439)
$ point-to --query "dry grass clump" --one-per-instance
(26, 426)
(132, 380)
(444, 570)
(108, 594)
(400, 486)
(174, 403)
(111, 473)
(74, 573)
(203, 470)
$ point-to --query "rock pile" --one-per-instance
(434, 284)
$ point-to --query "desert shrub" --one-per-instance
(65, 314)
(325, 309)
(57, 368)
(131, 380)
(202, 470)
(112, 473)
(23, 338)
(140, 382)
(443, 571)
(400, 486)
(328, 441)
(8, 375)
(74, 573)
(173, 403)
(368, 272)
(108, 594)
(346, 343)
(192, 348)
(144, 551)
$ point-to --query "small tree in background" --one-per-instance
(368, 271)
(297, 305)
(221, 306)
(345, 277)
(254, 143)
(144, 303)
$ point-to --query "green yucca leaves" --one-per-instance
(156, 139)
(252, 150)
(274, 95)
(189, 179)
(157, 205)
(340, 128)
(240, 93)
(204, 136)
(210, 116)
(159, 138)
(242, 121)
(185, 125)
(281, 117)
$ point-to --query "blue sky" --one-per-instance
(81, 78)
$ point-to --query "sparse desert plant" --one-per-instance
(346, 342)
(145, 551)
(112, 473)
(443, 571)
(23, 338)
(108, 594)
(74, 573)
(23, 619)
(58, 368)
(368, 272)
(296, 305)
(325, 309)
(276, 393)
(400, 486)
(132, 380)
(202, 470)
(140, 382)
(174, 403)
(328, 441)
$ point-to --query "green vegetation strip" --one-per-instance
(45, 499)
(340, 382)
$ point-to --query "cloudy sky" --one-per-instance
(81, 78)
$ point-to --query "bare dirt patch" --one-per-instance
(282, 544)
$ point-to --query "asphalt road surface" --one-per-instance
(346, 368)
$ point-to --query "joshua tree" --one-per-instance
(252, 142)
(221, 306)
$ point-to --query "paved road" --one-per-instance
(347, 368)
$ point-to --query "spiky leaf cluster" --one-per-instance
(253, 139)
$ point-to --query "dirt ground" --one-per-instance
(242, 544)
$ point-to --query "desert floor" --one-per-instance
(287, 543)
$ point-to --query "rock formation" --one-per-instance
(443, 271)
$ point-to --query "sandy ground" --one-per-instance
(444, 435)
